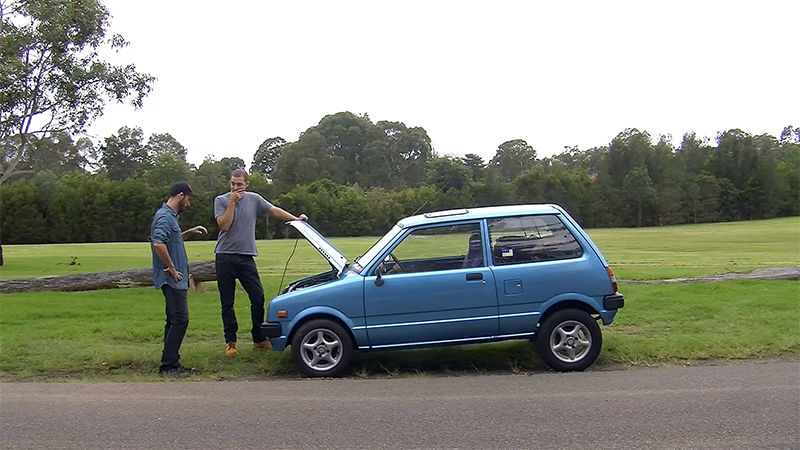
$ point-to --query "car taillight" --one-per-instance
(612, 278)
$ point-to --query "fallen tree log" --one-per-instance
(118, 279)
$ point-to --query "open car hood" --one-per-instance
(337, 260)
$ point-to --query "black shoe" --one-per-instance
(173, 373)
(189, 370)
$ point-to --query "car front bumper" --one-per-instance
(274, 332)
(271, 330)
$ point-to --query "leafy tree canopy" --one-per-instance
(52, 78)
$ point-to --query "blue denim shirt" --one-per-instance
(165, 229)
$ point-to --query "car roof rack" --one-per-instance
(452, 212)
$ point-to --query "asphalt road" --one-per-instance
(732, 406)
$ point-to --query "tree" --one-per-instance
(701, 198)
(514, 158)
(165, 144)
(693, 152)
(209, 180)
(788, 167)
(733, 157)
(266, 156)
(790, 135)
(640, 192)
(21, 216)
(72, 207)
(233, 163)
(306, 161)
(56, 152)
(448, 173)
(345, 135)
(260, 185)
(628, 150)
(167, 169)
(51, 75)
(123, 155)
(408, 152)
(475, 164)
(493, 190)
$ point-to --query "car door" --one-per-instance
(433, 289)
(535, 258)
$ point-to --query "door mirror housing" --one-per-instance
(379, 271)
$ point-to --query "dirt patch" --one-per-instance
(773, 273)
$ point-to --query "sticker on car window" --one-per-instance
(508, 253)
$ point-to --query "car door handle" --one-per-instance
(474, 276)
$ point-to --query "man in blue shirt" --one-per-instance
(171, 274)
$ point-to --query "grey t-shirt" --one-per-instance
(240, 239)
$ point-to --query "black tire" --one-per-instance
(554, 346)
(334, 356)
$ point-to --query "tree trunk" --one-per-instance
(118, 279)
(640, 215)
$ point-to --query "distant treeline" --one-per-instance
(353, 177)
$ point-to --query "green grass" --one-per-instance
(634, 254)
(116, 334)
(691, 250)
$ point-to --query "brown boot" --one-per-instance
(230, 350)
(263, 345)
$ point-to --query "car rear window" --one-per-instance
(520, 240)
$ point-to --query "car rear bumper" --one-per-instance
(613, 301)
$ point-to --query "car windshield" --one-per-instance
(358, 265)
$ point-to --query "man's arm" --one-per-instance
(283, 215)
(225, 220)
(193, 231)
(162, 253)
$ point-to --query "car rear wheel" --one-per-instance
(322, 348)
(569, 340)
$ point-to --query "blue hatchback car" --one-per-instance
(450, 278)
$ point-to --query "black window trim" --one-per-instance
(557, 214)
(482, 223)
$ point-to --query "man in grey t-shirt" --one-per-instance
(236, 214)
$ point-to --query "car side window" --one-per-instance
(438, 248)
(519, 240)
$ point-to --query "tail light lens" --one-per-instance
(612, 278)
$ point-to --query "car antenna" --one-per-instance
(426, 201)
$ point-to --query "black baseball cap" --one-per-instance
(182, 187)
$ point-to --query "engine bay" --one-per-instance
(311, 281)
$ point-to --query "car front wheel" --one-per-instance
(322, 348)
(569, 340)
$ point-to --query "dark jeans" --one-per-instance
(175, 328)
(243, 267)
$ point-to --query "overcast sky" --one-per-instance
(473, 74)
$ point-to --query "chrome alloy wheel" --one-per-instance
(321, 349)
(570, 341)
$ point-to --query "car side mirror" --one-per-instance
(379, 271)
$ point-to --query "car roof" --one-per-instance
(486, 212)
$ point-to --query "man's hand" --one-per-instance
(302, 217)
(198, 230)
(236, 195)
(177, 276)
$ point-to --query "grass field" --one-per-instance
(116, 334)
(634, 254)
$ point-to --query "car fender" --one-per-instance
(571, 296)
(318, 310)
